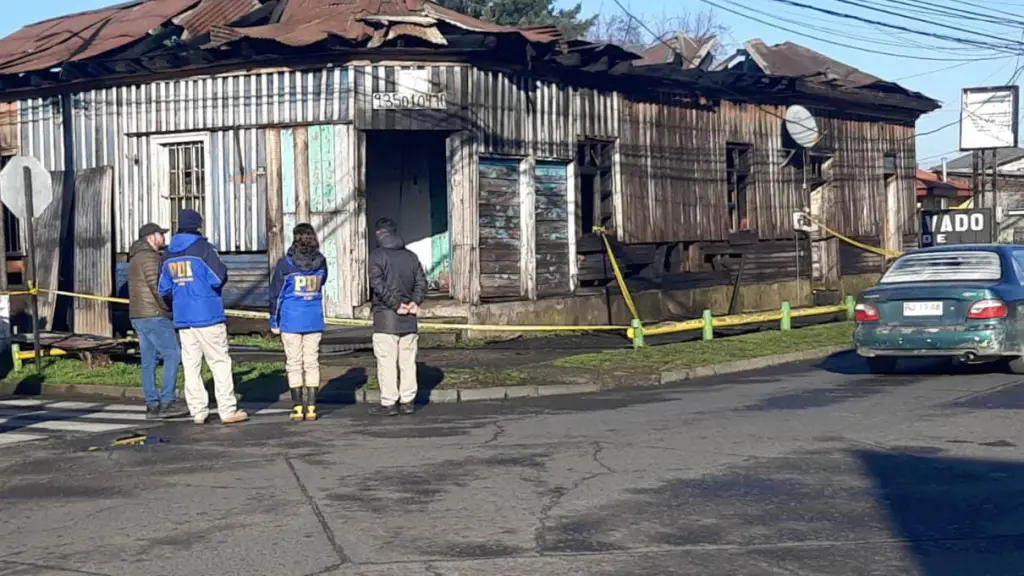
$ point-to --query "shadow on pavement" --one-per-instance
(958, 516)
(850, 364)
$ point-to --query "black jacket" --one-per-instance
(396, 278)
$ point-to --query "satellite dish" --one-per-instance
(801, 126)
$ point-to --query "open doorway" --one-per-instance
(406, 180)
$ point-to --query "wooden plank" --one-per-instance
(501, 222)
(552, 231)
(559, 215)
(500, 197)
(330, 239)
(94, 265)
(500, 280)
(528, 226)
(499, 233)
(287, 146)
(314, 161)
(556, 189)
(275, 209)
(302, 190)
(511, 244)
(48, 254)
(499, 211)
(463, 176)
(499, 267)
(499, 255)
(499, 170)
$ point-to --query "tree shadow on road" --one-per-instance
(957, 516)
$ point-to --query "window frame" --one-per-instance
(739, 155)
(160, 147)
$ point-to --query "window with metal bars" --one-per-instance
(186, 188)
(737, 171)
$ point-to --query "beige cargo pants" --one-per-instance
(396, 367)
(210, 343)
(302, 359)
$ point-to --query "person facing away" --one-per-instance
(399, 286)
(297, 314)
(151, 318)
(193, 276)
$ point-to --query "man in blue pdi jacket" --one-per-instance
(193, 275)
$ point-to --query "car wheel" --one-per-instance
(881, 365)
(1016, 365)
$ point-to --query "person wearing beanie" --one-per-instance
(297, 314)
(192, 276)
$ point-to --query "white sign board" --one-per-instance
(412, 91)
(988, 118)
(12, 186)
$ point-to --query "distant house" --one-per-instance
(933, 193)
(497, 149)
(1008, 185)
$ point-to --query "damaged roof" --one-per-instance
(796, 61)
(695, 52)
(82, 36)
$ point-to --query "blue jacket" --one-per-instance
(297, 293)
(193, 275)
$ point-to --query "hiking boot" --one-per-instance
(173, 410)
(311, 403)
(406, 409)
(384, 410)
(298, 409)
(152, 411)
(238, 416)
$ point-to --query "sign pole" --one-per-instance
(31, 254)
(995, 196)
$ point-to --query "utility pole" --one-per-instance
(974, 179)
(995, 193)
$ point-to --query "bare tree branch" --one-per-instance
(644, 31)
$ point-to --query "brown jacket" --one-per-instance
(144, 299)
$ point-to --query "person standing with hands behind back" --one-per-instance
(399, 286)
(297, 314)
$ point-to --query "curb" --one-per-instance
(451, 396)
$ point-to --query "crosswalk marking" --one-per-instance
(22, 418)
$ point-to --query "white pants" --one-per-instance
(396, 367)
(210, 343)
(302, 359)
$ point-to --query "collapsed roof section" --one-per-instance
(150, 37)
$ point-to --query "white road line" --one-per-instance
(22, 402)
(62, 425)
(68, 405)
(9, 438)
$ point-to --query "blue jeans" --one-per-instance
(158, 338)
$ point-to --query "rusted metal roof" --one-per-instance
(793, 60)
(81, 36)
(306, 22)
(696, 52)
(212, 12)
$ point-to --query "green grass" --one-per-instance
(267, 379)
(700, 353)
(261, 342)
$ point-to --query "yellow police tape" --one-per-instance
(873, 249)
(618, 273)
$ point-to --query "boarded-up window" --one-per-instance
(737, 169)
(186, 178)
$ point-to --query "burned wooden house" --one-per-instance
(497, 150)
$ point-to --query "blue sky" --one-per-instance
(923, 76)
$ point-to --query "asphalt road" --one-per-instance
(812, 470)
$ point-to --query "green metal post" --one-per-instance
(709, 327)
(787, 320)
(638, 333)
(15, 360)
(851, 308)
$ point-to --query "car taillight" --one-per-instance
(987, 310)
(865, 313)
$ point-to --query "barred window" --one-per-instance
(187, 178)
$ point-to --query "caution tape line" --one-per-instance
(873, 249)
(618, 273)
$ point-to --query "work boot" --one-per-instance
(384, 410)
(406, 408)
(238, 416)
(311, 403)
(298, 409)
(152, 411)
(173, 410)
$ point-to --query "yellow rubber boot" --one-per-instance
(311, 403)
(297, 407)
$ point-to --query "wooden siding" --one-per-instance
(248, 283)
(94, 250)
(520, 116)
(49, 250)
(463, 178)
(552, 229)
(673, 170)
(452, 80)
(318, 185)
(500, 228)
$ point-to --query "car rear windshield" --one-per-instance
(972, 266)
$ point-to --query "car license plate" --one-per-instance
(922, 308)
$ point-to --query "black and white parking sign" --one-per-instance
(940, 227)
